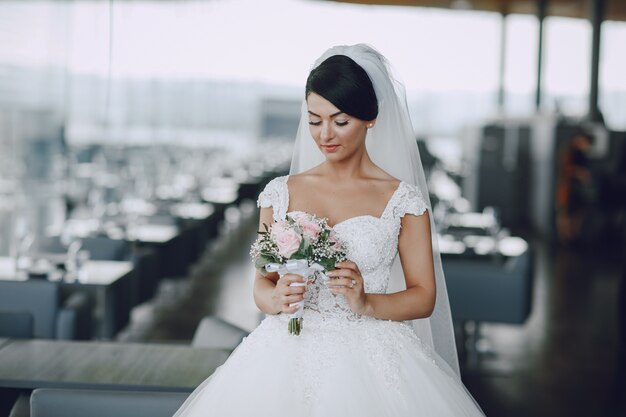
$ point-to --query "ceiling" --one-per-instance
(615, 9)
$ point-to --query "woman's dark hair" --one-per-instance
(344, 83)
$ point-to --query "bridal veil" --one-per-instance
(391, 144)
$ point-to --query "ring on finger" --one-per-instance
(352, 283)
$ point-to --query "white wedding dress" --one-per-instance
(342, 364)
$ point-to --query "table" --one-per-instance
(144, 232)
(177, 231)
(109, 281)
(479, 247)
(171, 243)
(30, 364)
(95, 272)
(152, 233)
(7, 268)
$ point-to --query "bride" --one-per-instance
(377, 337)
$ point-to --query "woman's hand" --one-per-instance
(283, 294)
(347, 280)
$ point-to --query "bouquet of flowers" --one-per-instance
(302, 244)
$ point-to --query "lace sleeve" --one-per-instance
(275, 195)
(410, 201)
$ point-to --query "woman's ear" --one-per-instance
(371, 123)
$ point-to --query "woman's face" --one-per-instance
(337, 134)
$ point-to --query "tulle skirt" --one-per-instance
(372, 368)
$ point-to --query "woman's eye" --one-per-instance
(343, 123)
(314, 123)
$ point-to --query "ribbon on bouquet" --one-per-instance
(298, 267)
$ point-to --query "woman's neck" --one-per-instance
(359, 166)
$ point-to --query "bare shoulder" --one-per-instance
(305, 179)
(385, 182)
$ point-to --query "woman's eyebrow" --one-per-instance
(332, 115)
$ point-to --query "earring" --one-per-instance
(370, 125)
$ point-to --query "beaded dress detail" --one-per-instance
(342, 364)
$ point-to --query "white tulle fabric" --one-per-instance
(391, 144)
(342, 364)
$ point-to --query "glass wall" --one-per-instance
(612, 95)
(567, 65)
(228, 74)
(205, 71)
(199, 69)
(520, 76)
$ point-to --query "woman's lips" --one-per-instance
(330, 148)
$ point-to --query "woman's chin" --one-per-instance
(333, 157)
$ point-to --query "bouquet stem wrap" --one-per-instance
(298, 267)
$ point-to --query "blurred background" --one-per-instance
(136, 135)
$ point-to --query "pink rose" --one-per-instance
(332, 238)
(310, 229)
(299, 216)
(287, 239)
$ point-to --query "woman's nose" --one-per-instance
(327, 132)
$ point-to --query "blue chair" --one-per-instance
(21, 407)
(213, 332)
(105, 249)
(484, 291)
(18, 324)
(53, 319)
(489, 291)
(95, 403)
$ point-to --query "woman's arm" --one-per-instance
(416, 256)
(271, 294)
(418, 300)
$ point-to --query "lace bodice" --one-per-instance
(371, 242)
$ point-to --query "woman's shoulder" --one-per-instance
(273, 192)
(278, 181)
(305, 180)
(309, 175)
(408, 199)
(385, 183)
(382, 177)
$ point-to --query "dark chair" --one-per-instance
(18, 324)
(53, 319)
(99, 248)
(21, 407)
(618, 401)
(96, 403)
(105, 249)
(49, 244)
(484, 291)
